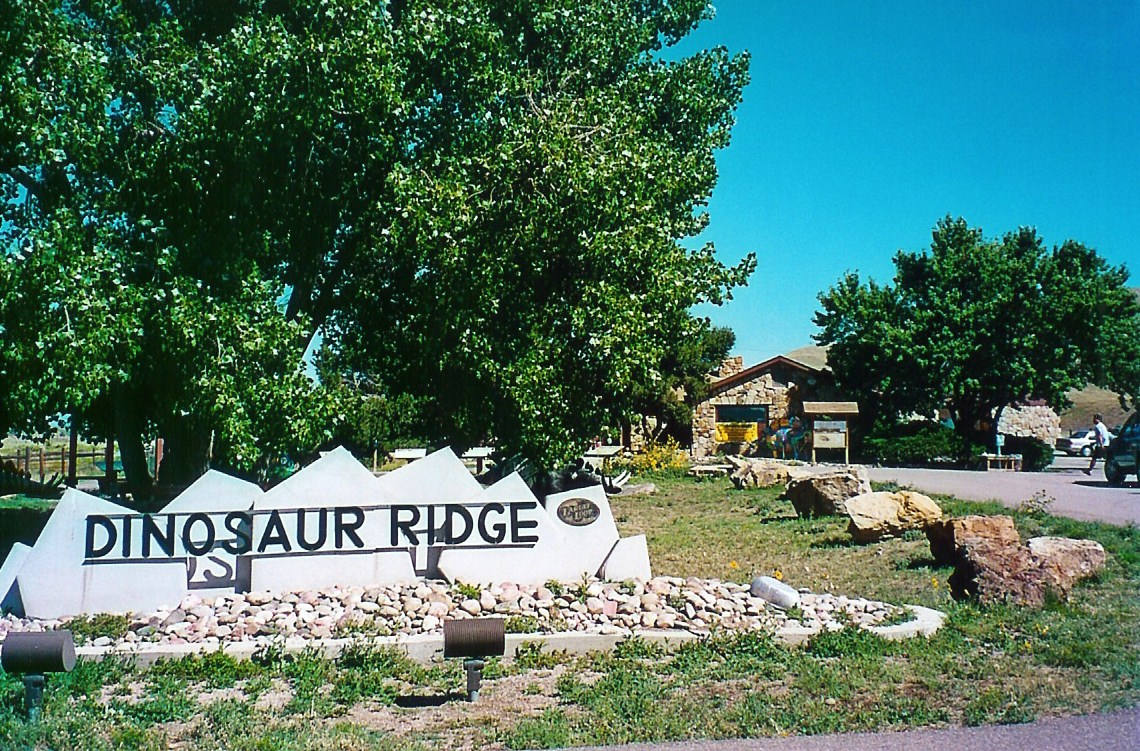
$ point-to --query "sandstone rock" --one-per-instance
(948, 535)
(995, 571)
(875, 516)
(1076, 558)
(826, 493)
(758, 473)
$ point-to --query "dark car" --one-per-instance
(1123, 455)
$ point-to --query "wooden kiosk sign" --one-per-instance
(827, 431)
(331, 524)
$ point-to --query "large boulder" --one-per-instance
(827, 493)
(947, 536)
(764, 473)
(1075, 558)
(992, 571)
(875, 516)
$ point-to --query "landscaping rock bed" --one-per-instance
(693, 605)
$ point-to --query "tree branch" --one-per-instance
(32, 185)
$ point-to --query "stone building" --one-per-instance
(1033, 419)
(741, 400)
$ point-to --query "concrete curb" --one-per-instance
(427, 648)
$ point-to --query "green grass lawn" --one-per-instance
(995, 665)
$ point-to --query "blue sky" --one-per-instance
(866, 122)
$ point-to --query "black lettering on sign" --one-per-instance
(322, 529)
(517, 524)
(498, 530)
(95, 521)
(578, 512)
(345, 528)
(206, 545)
(239, 524)
(274, 534)
(150, 531)
(406, 525)
(451, 537)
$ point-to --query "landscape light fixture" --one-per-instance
(474, 639)
(34, 654)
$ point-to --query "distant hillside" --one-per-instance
(811, 355)
(1089, 401)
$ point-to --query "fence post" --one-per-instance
(28, 462)
(109, 460)
(72, 454)
(41, 465)
(159, 446)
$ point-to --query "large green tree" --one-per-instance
(975, 324)
(477, 203)
(664, 406)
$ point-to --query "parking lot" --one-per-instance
(1075, 494)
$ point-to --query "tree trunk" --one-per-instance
(185, 455)
(129, 433)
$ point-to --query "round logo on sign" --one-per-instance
(578, 512)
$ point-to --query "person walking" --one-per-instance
(1101, 442)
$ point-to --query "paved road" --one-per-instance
(1076, 495)
(1119, 731)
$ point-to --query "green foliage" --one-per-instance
(86, 628)
(664, 406)
(850, 641)
(474, 205)
(521, 624)
(997, 706)
(214, 669)
(466, 590)
(974, 325)
(531, 655)
(918, 443)
(657, 458)
(1036, 455)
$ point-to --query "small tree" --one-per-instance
(976, 324)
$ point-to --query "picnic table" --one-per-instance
(1006, 462)
(478, 454)
(408, 455)
(595, 458)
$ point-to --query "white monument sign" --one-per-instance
(332, 523)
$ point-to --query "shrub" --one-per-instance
(918, 443)
(664, 458)
(86, 628)
(1035, 455)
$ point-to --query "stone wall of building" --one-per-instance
(762, 390)
(1039, 422)
(730, 367)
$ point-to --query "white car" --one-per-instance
(1080, 442)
